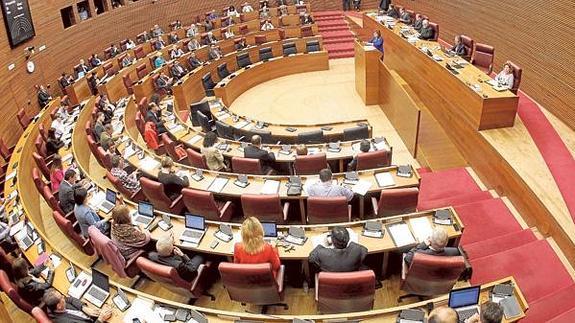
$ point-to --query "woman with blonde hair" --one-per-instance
(253, 249)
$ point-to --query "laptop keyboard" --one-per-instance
(107, 205)
(143, 220)
(192, 234)
(98, 294)
(465, 314)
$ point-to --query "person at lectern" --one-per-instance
(376, 41)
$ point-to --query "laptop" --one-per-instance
(195, 229)
(145, 214)
(270, 231)
(465, 301)
(109, 203)
(99, 290)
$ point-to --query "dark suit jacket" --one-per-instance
(384, 4)
(195, 62)
(43, 98)
(52, 146)
(459, 50)
(424, 248)
(187, 268)
(159, 125)
(178, 72)
(338, 260)
(393, 13)
(32, 291)
(66, 196)
(417, 24)
(71, 304)
(258, 153)
(173, 184)
(426, 33)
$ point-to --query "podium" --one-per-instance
(367, 72)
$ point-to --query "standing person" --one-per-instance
(346, 5)
(253, 249)
(376, 41)
(384, 4)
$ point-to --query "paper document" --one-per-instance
(142, 309)
(67, 158)
(382, 145)
(322, 239)
(384, 179)
(492, 82)
(11, 175)
(240, 124)
(218, 184)
(400, 234)
(194, 139)
(421, 228)
(16, 228)
(361, 187)
(149, 163)
(129, 152)
(313, 150)
(97, 199)
(270, 187)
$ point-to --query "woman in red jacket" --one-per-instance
(253, 249)
(151, 134)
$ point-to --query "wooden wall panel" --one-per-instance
(538, 36)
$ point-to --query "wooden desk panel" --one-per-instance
(366, 73)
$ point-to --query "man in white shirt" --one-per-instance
(247, 8)
(327, 188)
(267, 26)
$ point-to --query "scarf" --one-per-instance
(127, 233)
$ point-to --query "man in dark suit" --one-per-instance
(458, 47)
(344, 257)
(71, 310)
(155, 113)
(43, 96)
(392, 12)
(66, 191)
(384, 4)
(255, 151)
(194, 61)
(168, 255)
(173, 184)
(435, 245)
(177, 70)
(426, 32)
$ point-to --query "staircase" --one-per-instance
(338, 40)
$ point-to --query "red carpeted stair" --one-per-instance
(545, 308)
(448, 187)
(566, 317)
(498, 244)
(337, 37)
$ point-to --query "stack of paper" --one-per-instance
(149, 163)
(270, 187)
(129, 152)
(384, 179)
(142, 309)
(400, 234)
(194, 139)
(421, 228)
(218, 184)
(361, 187)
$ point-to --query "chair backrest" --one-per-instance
(260, 39)
(170, 146)
(204, 122)
(247, 165)
(469, 46)
(517, 72)
(266, 135)
(201, 203)
(289, 48)
(483, 56)
(42, 132)
(356, 133)
(118, 185)
(154, 191)
(430, 275)
(164, 274)
(435, 28)
(196, 159)
(4, 150)
(397, 201)
(38, 181)
(23, 119)
(224, 130)
(203, 106)
(104, 157)
(109, 69)
(68, 229)
(243, 60)
(312, 46)
(311, 137)
(41, 146)
(346, 292)
(266, 53)
(40, 316)
(327, 209)
(107, 250)
(310, 164)
(50, 198)
(263, 207)
(143, 106)
(6, 263)
(141, 71)
(139, 53)
(244, 29)
(10, 290)
(373, 159)
(128, 83)
(306, 31)
(41, 164)
(140, 123)
(207, 82)
(223, 70)
(250, 283)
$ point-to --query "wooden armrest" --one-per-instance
(178, 200)
(197, 281)
(225, 210)
(349, 213)
(285, 210)
(374, 204)
(280, 278)
(316, 287)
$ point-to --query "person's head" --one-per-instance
(100, 117)
(443, 314)
(439, 238)
(70, 176)
(210, 139)
(507, 68)
(82, 61)
(256, 140)
(80, 195)
(167, 163)
(54, 301)
(364, 146)
(121, 215)
(325, 175)
(252, 235)
(117, 162)
(425, 23)
(339, 237)
(154, 107)
(56, 162)
(377, 34)
(109, 129)
(491, 313)
(165, 246)
(301, 150)
(457, 39)
(401, 10)
(20, 268)
(155, 98)
(51, 133)
(392, 6)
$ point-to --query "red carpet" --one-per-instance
(567, 317)
(551, 306)
(488, 247)
(459, 199)
(337, 37)
(446, 184)
(535, 267)
(486, 219)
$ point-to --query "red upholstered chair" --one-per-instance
(132, 196)
(328, 210)
(41, 146)
(247, 166)
(154, 191)
(5, 151)
(253, 283)
(72, 231)
(141, 71)
(345, 292)
(140, 123)
(51, 199)
(41, 165)
(139, 52)
(171, 280)
(260, 39)
(430, 275)
(395, 201)
(94, 148)
(517, 72)
(172, 147)
(128, 83)
(204, 203)
(196, 159)
(6, 262)
(435, 28)
(40, 316)
(160, 91)
(243, 29)
(9, 289)
(373, 159)
(483, 57)
(109, 69)
(310, 164)
(42, 132)
(469, 46)
(143, 106)
(108, 251)
(265, 207)
(38, 181)
(104, 157)
(23, 119)
(306, 31)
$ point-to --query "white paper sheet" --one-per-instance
(361, 187)
(218, 184)
(384, 179)
(270, 187)
(142, 309)
(149, 163)
(194, 139)
(240, 124)
(421, 228)
(401, 234)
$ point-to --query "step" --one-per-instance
(565, 317)
(446, 184)
(498, 244)
(334, 28)
(336, 34)
(551, 306)
(347, 54)
(455, 200)
(327, 13)
(329, 18)
(330, 23)
(338, 40)
(340, 47)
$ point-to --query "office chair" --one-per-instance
(107, 249)
(135, 197)
(128, 83)
(517, 73)
(243, 29)
(468, 43)
(373, 159)
(172, 149)
(306, 31)
(265, 207)
(260, 39)
(205, 122)
(310, 164)
(141, 71)
(243, 60)
(196, 159)
(345, 292)
(208, 84)
(72, 231)
(23, 119)
(356, 133)
(435, 28)
(40, 316)
(41, 165)
(204, 203)
(395, 201)
(322, 210)
(483, 57)
(289, 48)
(224, 130)
(311, 137)
(266, 135)
(9, 289)
(247, 166)
(155, 193)
(223, 71)
(204, 107)
(140, 123)
(266, 53)
(312, 46)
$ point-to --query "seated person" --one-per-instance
(66, 190)
(93, 83)
(490, 313)
(458, 48)
(62, 309)
(212, 15)
(56, 173)
(177, 70)
(210, 39)
(106, 106)
(176, 25)
(426, 32)
(246, 7)
(159, 61)
(193, 44)
(164, 82)
(364, 147)
(173, 38)
(418, 23)
(65, 80)
(505, 78)
(306, 19)
(82, 68)
(326, 187)
(301, 150)
(28, 282)
(213, 156)
(176, 52)
(267, 26)
(436, 245)
(283, 10)
(151, 133)
(114, 50)
(443, 314)
(95, 61)
(173, 184)
(192, 31)
(156, 114)
(127, 60)
(128, 181)
(108, 139)
(98, 127)
(208, 25)
(194, 61)
(130, 44)
(253, 249)
(168, 255)
(129, 238)
(265, 12)
(346, 256)
(255, 151)
(53, 143)
(214, 53)
(157, 31)
(232, 12)
(404, 16)
(229, 33)
(86, 216)
(241, 44)
(43, 96)
(392, 12)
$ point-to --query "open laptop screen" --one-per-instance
(101, 280)
(145, 209)
(270, 230)
(464, 297)
(194, 222)
(110, 196)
